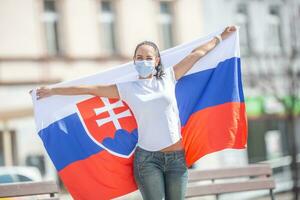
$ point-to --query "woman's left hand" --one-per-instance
(228, 31)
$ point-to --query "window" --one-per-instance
(36, 161)
(22, 178)
(243, 21)
(274, 37)
(166, 24)
(107, 20)
(51, 20)
(8, 148)
(6, 178)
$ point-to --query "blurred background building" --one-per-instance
(48, 41)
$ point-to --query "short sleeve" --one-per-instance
(171, 74)
(123, 90)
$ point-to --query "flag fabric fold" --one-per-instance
(91, 139)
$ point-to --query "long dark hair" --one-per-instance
(159, 68)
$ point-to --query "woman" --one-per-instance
(160, 170)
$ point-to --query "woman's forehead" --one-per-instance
(145, 50)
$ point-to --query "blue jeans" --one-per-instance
(160, 175)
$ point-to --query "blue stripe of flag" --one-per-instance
(210, 87)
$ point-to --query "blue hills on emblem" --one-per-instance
(123, 142)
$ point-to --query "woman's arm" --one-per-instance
(187, 63)
(109, 91)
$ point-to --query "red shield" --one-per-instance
(103, 116)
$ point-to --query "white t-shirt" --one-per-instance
(153, 103)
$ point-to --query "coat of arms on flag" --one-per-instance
(110, 124)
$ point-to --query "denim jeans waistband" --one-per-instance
(177, 152)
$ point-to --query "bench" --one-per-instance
(259, 178)
(30, 188)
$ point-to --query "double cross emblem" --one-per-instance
(113, 117)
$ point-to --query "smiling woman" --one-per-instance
(147, 54)
(153, 102)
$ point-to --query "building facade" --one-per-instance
(47, 41)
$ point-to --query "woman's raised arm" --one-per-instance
(109, 91)
(186, 64)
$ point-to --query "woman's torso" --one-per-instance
(153, 103)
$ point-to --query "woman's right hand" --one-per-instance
(43, 92)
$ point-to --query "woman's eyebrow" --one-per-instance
(148, 56)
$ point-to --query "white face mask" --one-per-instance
(145, 67)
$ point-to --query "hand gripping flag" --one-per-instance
(91, 139)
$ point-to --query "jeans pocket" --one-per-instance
(181, 160)
(140, 157)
